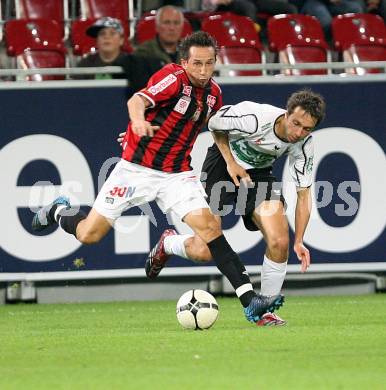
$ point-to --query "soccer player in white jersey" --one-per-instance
(249, 138)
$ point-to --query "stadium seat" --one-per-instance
(145, 29)
(120, 9)
(360, 37)
(42, 9)
(98, 8)
(298, 39)
(83, 44)
(36, 43)
(237, 40)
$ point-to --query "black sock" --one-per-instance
(68, 219)
(230, 265)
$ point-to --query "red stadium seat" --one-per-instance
(360, 37)
(83, 44)
(237, 40)
(119, 9)
(98, 8)
(42, 9)
(145, 29)
(297, 39)
(36, 44)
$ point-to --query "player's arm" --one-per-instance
(235, 170)
(137, 105)
(302, 216)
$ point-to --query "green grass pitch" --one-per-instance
(329, 343)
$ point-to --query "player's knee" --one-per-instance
(279, 245)
(88, 237)
(203, 254)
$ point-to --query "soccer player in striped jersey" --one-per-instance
(165, 119)
(249, 138)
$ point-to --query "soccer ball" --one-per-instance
(197, 309)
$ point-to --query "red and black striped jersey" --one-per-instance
(181, 110)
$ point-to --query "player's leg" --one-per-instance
(270, 218)
(188, 246)
(128, 185)
(208, 243)
(88, 229)
(208, 228)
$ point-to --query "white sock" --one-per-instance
(175, 245)
(57, 211)
(243, 289)
(272, 276)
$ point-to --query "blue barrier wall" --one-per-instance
(64, 136)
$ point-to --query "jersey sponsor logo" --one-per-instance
(162, 85)
(251, 156)
(122, 192)
(182, 105)
(187, 90)
(211, 100)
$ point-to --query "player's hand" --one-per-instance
(120, 138)
(143, 128)
(236, 171)
(303, 255)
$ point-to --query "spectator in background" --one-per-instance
(275, 7)
(325, 10)
(109, 36)
(169, 24)
(109, 40)
(239, 7)
(375, 7)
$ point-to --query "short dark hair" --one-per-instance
(309, 101)
(198, 38)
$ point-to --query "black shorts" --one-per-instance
(223, 195)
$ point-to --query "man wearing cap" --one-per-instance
(109, 40)
(109, 36)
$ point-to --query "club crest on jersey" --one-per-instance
(182, 105)
(187, 90)
(163, 84)
(211, 101)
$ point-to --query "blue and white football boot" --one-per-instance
(43, 218)
(262, 304)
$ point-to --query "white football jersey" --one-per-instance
(254, 143)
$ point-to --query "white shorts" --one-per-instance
(132, 185)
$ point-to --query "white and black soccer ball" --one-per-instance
(197, 309)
